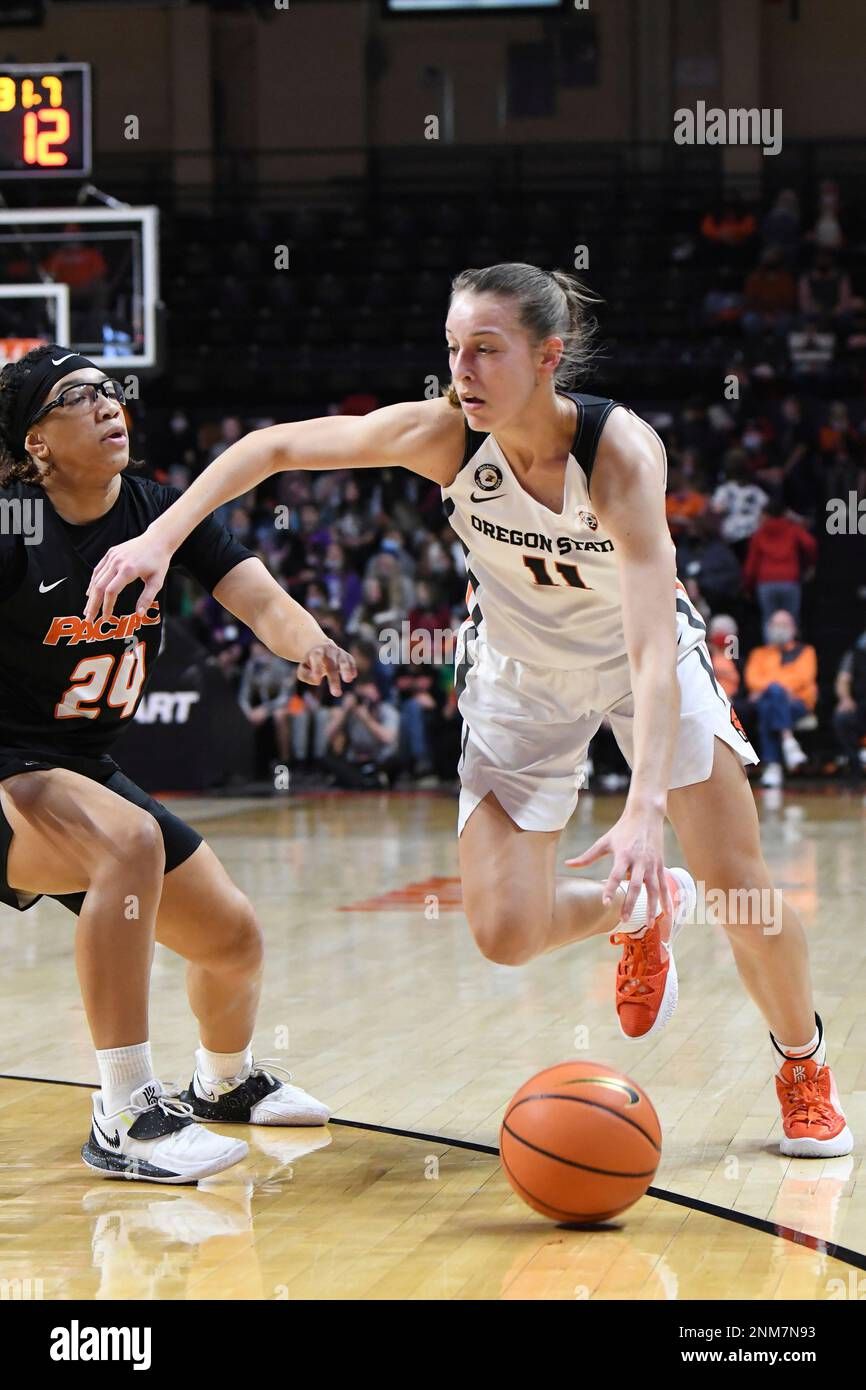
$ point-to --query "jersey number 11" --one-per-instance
(538, 568)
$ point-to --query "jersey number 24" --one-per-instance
(89, 681)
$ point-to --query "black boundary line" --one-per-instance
(738, 1218)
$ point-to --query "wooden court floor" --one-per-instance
(378, 1000)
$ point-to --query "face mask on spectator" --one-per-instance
(389, 545)
(778, 634)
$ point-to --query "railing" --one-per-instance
(601, 170)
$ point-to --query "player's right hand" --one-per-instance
(144, 557)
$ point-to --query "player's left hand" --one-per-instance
(327, 661)
(637, 845)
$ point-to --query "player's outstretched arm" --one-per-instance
(424, 436)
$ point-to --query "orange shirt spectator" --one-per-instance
(795, 666)
(730, 226)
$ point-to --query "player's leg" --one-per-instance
(205, 918)
(716, 822)
(517, 905)
(71, 835)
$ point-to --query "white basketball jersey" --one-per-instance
(545, 585)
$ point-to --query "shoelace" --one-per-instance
(168, 1103)
(808, 1105)
(268, 1065)
(633, 966)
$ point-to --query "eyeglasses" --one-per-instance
(78, 399)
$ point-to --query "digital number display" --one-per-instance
(44, 120)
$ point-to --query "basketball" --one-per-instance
(580, 1142)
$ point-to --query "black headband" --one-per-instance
(57, 363)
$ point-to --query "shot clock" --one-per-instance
(44, 120)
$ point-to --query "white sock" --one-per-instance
(815, 1048)
(637, 921)
(121, 1071)
(223, 1066)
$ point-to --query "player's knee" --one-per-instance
(236, 942)
(501, 935)
(136, 845)
(248, 937)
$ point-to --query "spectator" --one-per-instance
(781, 226)
(362, 738)
(849, 718)
(398, 587)
(683, 504)
(769, 295)
(810, 350)
(825, 293)
(84, 269)
(375, 612)
(782, 681)
(418, 712)
(837, 433)
(739, 502)
(430, 613)
(266, 690)
(728, 231)
(827, 231)
(342, 585)
(723, 641)
(781, 555)
(712, 562)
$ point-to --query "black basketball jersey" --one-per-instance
(68, 687)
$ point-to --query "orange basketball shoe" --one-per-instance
(812, 1119)
(646, 977)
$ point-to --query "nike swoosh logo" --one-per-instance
(489, 497)
(46, 588)
(57, 361)
(114, 1142)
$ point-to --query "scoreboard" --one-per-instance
(45, 120)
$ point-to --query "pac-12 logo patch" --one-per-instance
(587, 519)
(488, 477)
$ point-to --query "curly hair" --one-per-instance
(15, 468)
(16, 465)
(550, 302)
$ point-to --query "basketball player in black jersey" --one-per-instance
(72, 826)
(578, 617)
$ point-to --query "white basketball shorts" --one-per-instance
(526, 729)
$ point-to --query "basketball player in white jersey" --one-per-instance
(575, 613)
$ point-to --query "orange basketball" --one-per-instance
(580, 1142)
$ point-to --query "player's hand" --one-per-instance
(637, 845)
(327, 661)
(144, 557)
